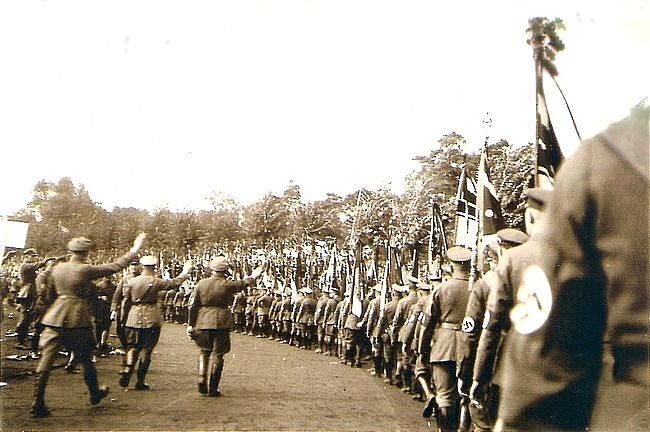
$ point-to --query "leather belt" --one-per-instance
(65, 296)
(450, 326)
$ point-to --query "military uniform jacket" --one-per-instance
(239, 303)
(285, 309)
(28, 280)
(407, 332)
(330, 312)
(473, 324)
(503, 286)
(169, 297)
(72, 283)
(319, 315)
(141, 300)
(402, 314)
(273, 310)
(342, 311)
(386, 319)
(118, 296)
(596, 262)
(178, 298)
(307, 311)
(371, 317)
(264, 304)
(210, 302)
(448, 304)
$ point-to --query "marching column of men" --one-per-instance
(553, 334)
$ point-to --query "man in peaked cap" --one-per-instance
(319, 316)
(68, 321)
(403, 372)
(441, 338)
(578, 358)
(27, 294)
(329, 321)
(117, 303)
(305, 319)
(370, 322)
(502, 286)
(143, 321)
(384, 329)
(483, 417)
(210, 321)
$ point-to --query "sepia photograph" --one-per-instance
(324, 215)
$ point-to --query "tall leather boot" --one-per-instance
(448, 419)
(408, 382)
(388, 374)
(204, 358)
(143, 368)
(216, 368)
(97, 393)
(127, 371)
(376, 371)
(38, 408)
(399, 382)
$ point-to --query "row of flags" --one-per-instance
(478, 210)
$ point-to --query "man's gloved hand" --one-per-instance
(113, 316)
(190, 332)
(477, 392)
(463, 387)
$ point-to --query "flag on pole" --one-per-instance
(437, 244)
(466, 220)
(488, 204)
(549, 154)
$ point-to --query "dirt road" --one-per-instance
(266, 386)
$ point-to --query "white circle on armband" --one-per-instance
(534, 301)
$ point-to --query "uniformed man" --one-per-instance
(179, 311)
(319, 314)
(27, 294)
(273, 314)
(285, 316)
(401, 315)
(116, 304)
(68, 321)
(577, 355)
(482, 415)
(329, 321)
(105, 290)
(41, 303)
(263, 305)
(443, 334)
(410, 339)
(238, 311)
(143, 320)
(210, 321)
(503, 284)
(169, 305)
(385, 320)
(369, 323)
(305, 319)
(422, 369)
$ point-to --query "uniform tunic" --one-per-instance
(448, 304)
(592, 336)
(209, 313)
(143, 320)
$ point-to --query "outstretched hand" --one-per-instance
(138, 242)
(258, 271)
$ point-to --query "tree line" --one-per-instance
(61, 210)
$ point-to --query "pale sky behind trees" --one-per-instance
(159, 103)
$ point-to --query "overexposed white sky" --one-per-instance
(159, 103)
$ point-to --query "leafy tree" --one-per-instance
(544, 39)
(61, 211)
